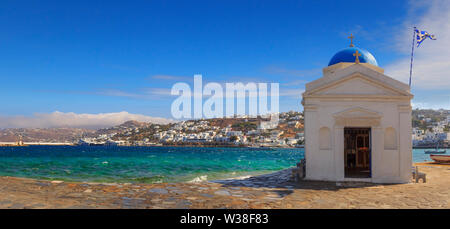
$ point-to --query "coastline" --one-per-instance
(11, 144)
(430, 147)
(187, 146)
(274, 190)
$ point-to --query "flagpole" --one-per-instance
(412, 56)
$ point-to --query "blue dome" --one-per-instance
(346, 55)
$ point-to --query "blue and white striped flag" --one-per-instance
(423, 35)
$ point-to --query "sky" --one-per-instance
(74, 63)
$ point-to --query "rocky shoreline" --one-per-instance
(275, 190)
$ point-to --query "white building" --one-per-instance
(357, 122)
(291, 141)
(234, 133)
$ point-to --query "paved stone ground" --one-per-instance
(274, 190)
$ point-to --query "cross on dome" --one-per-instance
(351, 40)
(357, 55)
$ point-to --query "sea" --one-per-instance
(147, 164)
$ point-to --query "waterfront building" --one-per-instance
(357, 122)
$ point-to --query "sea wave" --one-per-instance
(199, 179)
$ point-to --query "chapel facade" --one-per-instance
(357, 122)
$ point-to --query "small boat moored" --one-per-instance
(435, 152)
(440, 158)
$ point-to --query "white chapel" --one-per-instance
(357, 122)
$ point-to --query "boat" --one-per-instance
(436, 151)
(440, 158)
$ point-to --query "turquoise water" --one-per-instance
(141, 164)
(146, 164)
(420, 156)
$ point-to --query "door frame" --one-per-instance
(369, 137)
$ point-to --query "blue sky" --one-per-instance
(91, 57)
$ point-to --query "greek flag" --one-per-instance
(423, 35)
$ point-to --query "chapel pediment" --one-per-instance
(358, 85)
(357, 112)
(357, 116)
(356, 80)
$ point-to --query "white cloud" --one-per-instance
(292, 92)
(293, 72)
(432, 59)
(70, 119)
(172, 78)
(145, 93)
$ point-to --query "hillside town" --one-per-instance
(431, 128)
(236, 131)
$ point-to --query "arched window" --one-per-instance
(390, 139)
(324, 138)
